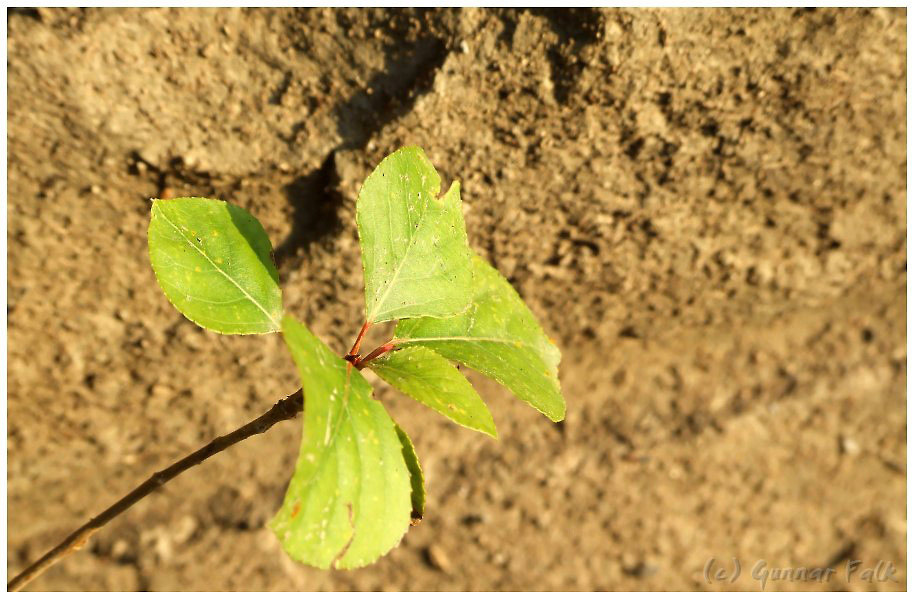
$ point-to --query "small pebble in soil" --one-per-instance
(437, 558)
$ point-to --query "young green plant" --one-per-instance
(357, 484)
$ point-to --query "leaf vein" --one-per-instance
(222, 272)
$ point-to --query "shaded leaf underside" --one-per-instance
(416, 477)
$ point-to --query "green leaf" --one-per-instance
(348, 502)
(414, 245)
(499, 337)
(416, 478)
(430, 379)
(213, 262)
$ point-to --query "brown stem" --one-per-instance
(375, 353)
(353, 354)
(284, 409)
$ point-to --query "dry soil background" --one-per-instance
(706, 209)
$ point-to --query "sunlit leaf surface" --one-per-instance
(432, 380)
(414, 245)
(497, 336)
(349, 501)
(212, 260)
